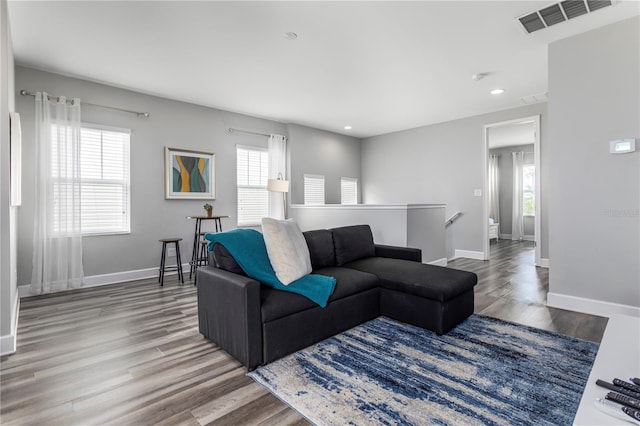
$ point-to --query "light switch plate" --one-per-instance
(477, 192)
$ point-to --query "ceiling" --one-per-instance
(376, 66)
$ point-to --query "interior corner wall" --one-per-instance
(172, 123)
(443, 163)
(8, 286)
(594, 98)
(319, 152)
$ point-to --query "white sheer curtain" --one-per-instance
(277, 168)
(517, 221)
(57, 240)
(494, 188)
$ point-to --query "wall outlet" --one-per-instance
(477, 192)
(171, 252)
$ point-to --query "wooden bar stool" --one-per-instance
(193, 264)
(177, 266)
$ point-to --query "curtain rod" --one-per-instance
(57, 98)
(231, 130)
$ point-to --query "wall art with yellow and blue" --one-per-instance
(189, 174)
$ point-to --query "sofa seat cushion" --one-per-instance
(429, 281)
(277, 304)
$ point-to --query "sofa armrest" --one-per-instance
(229, 313)
(394, 252)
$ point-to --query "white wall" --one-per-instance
(319, 152)
(594, 97)
(8, 287)
(443, 163)
(417, 226)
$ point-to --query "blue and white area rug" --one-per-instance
(484, 372)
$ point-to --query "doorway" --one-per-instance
(501, 139)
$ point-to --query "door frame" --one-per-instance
(536, 154)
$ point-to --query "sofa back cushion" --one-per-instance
(353, 243)
(223, 260)
(320, 243)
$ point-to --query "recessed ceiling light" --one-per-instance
(290, 36)
(348, 127)
(497, 91)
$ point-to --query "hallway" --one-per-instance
(512, 288)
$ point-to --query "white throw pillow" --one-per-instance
(287, 249)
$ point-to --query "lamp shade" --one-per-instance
(278, 185)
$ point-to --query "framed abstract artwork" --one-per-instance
(189, 175)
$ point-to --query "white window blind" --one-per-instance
(104, 181)
(348, 190)
(313, 189)
(253, 197)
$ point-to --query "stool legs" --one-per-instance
(163, 259)
(179, 263)
(201, 259)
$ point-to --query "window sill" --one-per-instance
(101, 234)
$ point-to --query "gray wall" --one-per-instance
(174, 124)
(324, 153)
(8, 290)
(505, 164)
(594, 97)
(443, 163)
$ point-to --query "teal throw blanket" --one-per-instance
(248, 249)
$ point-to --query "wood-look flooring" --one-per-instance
(131, 354)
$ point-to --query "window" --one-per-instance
(528, 190)
(253, 197)
(104, 181)
(313, 189)
(348, 190)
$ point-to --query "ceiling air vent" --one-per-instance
(534, 99)
(559, 12)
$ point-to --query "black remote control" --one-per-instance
(623, 399)
(633, 413)
(607, 385)
(635, 380)
(626, 385)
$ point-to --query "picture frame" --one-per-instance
(189, 174)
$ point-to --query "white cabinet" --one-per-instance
(493, 231)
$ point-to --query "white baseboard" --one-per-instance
(8, 342)
(590, 306)
(505, 236)
(544, 263)
(438, 262)
(469, 254)
(105, 279)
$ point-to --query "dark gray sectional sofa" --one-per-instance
(257, 324)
